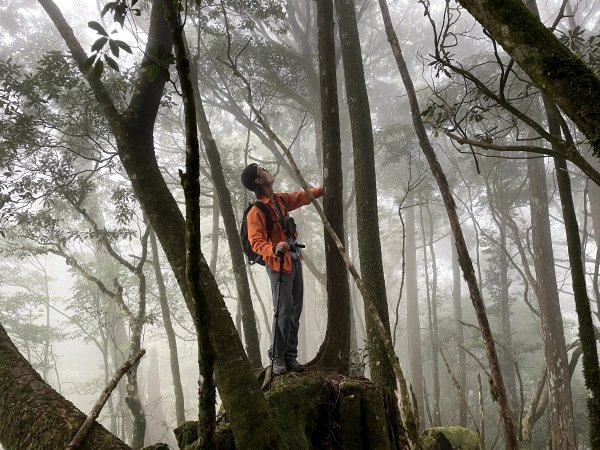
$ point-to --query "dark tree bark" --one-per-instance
(561, 74)
(466, 264)
(170, 332)
(252, 421)
(35, 416)
(190, 180)
(334, 353)
(367, 218)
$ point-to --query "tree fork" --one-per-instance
(510, 433)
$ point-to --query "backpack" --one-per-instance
(253, 257)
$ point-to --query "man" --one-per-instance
(271, 247)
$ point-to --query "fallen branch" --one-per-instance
(89, 421)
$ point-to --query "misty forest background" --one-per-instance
(85, 283)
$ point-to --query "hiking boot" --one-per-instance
(294, 366)
(279, 367)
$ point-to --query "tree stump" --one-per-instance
(323, 410)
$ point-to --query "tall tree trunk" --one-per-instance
(466, 264)
(561, 410)
(413, 322)
(461, 355)
(369, 245)
(35, 416)
(170, 332)
(190, 181)
(231, 227)
(215, 231)
(335, 351)
(504, 300)
(437, 421)
(587, 337)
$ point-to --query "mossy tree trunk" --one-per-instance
(133, 130)
(35, 416)
(365, 181)
(591, 369)
(334, 353)
(557, 71)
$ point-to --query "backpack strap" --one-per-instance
(265, 210)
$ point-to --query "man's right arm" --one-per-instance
(257, 235)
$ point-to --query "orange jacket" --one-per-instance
(265, 245)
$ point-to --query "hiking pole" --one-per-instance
(282, 257)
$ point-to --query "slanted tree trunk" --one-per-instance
(335, 351)
(231, 228)
(170, 332)
(35, 416)
(251, 420)
(466, 264)
(560, 73)
(365, 181)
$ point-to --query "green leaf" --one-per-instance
(98, 68)
(89, 62)
(123, 46)
(97, 27)
(114, 48)
(111, 63)
(97, 46)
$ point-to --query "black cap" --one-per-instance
(249, 175)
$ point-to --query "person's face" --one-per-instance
(264, 177)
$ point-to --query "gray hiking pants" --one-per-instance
(291, 297)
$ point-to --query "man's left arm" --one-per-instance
(294, 200)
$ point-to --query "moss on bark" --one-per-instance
(321, 410)
(36, 417)
(459, 438)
